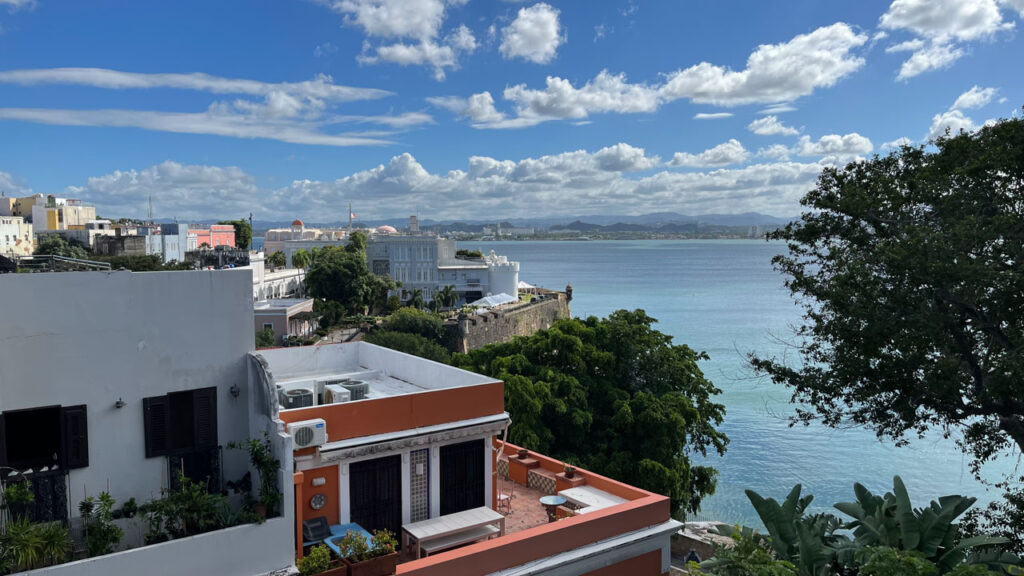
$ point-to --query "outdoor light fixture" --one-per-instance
(119, 404)
(234, 391)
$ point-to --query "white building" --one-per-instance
(275, 238)
(15, 236)
(138, 376)
(429, 263)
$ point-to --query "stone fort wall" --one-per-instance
(476, 331)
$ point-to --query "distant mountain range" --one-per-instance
(664, 221)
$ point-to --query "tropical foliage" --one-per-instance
(909, 271)
(243, 232)
(885, 536)
(56, 245)
(614, 395)
(339, 276)
(410, 344)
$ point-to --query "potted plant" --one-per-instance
(570, 471)
(522, 453)
(376, 558)
(318, 561)
(18, 497)
(262, 459)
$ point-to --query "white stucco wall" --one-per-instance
(249, 550)
(95, 337)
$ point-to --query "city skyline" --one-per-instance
(459, 110)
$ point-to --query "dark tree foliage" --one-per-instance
(340, 275)
(909, 270)
(243, 232)
(57, 245)
(413, 321)
(276, 259)
(265, 338)
(615, 396)
(410, 344)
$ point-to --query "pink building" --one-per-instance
(216, 235)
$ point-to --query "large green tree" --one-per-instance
(57, 245)
(615, 396)
(339, 274)
(243, 232)
(909, 270)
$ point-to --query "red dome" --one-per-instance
(297, 223)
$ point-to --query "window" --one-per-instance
(268, 325)
(180, 422)
(46, 436)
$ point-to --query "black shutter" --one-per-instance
(156, 414)
(3, 441)
(75, 440)
(204, 410)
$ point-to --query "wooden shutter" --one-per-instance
(204, 420)
(75, 436)
(156, 411)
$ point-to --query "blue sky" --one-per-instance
(482, 109)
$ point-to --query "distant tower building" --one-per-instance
(414, 225)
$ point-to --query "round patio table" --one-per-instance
(551, 503)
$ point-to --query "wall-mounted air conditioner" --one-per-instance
(297, 398)
(336, 393)
(308, 433)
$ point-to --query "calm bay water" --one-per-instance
(724, 298)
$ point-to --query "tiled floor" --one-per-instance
(527, 511)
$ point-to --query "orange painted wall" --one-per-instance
(332, 509)
(542, 541)
(394, 413)
(644, 565)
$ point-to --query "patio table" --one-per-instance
(467, 521)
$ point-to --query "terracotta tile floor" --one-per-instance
(527, 512)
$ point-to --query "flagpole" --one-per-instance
(349, 217)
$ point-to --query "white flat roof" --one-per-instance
(388, 372)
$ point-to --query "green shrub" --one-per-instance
(318, 560)
(410, 344)
(413, 321)
(101, 534)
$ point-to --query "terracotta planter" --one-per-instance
(340, 570)
(379, 566)
(570, 471)
(522, 453)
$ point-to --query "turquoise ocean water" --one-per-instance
(724, 298)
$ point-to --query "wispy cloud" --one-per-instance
(711, 115)
(232, 125)
(322, 87)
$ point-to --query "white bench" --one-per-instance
(458, 539)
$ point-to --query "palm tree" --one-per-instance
(301, 258)
(416, 298)
(447, 296)
(435, 305)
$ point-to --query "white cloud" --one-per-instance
(976, 97)
(479, 108)
(324, 49)
(16, 4)
(711, 116)
(571, 183)
(911, 45)
(944, 24)
(178, 191)
(834, 147)
(600, 31)
(897, 143)
(770, 125)
(953, 120)
(10, 186)
(321, 87)
(215, 121)
(775, 152)
(534, 35)
(775, 73)
(412, 29)
(1018, 5)
(957, 19)
(726, 153)
(935, 57)
(778, 109)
